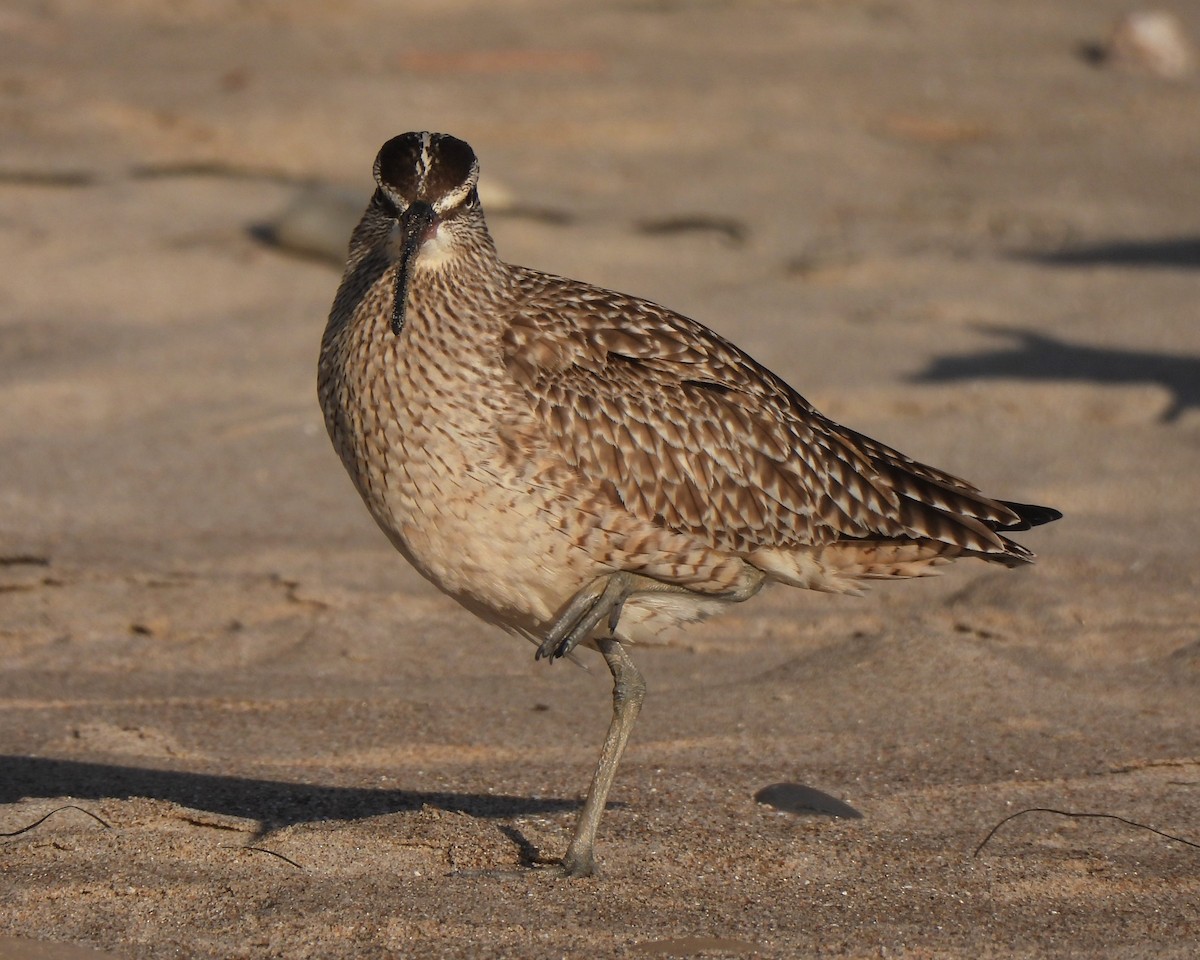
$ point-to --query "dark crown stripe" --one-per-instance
(425, 166)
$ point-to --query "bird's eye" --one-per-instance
(465, 204)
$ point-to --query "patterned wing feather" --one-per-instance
(693, 435)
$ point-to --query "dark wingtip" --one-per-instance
(1031, 515)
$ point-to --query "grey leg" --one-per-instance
(629, 690)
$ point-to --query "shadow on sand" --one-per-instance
(1172, 253)
(1036, 356)
(274, 804)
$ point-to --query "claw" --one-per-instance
(603, 597)
(614, 613)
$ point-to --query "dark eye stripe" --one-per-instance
(383, 203)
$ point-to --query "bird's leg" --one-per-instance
(629, 690)
(603, 597)
(606, 596)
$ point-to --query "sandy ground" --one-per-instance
(939, 220)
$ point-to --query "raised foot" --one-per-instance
(603, 597)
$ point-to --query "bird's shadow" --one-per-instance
(1029, 355)
(274, 804)
(1172, 253)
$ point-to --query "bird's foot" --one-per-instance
(603, 597)
(578, 864)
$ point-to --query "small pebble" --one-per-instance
(1154, 42)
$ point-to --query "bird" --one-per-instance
(588, 469)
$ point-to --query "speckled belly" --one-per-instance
(477, 533)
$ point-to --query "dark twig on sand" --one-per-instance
(1069, 813)
(265, 850)
(70, 806)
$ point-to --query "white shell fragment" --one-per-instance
(1154, 42)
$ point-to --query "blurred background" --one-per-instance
(937, 220)
(971, 230)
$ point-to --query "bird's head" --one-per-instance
(427, 187)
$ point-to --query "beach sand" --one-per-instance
(258, 733)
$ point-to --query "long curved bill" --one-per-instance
(414, 224)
